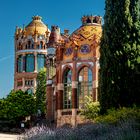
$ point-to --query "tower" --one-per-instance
(52, 45)
(30, 53)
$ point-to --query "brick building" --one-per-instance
(72, 65)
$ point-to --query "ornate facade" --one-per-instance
(30, 53)
(73, 64)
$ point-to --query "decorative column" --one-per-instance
(50, 116)
(23, 84)
(50, 84)
(24, 62)
(35, 62)
(74, 96)
(95, 82)
(16, 64)
(60, 88)
(35, 85)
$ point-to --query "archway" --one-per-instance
(84, 85)
(67, 95)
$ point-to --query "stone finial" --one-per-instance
(19, 30)
(98, 19)
(91, 19)
(55, 29)
(36, 17)
(66, 32)
(84, 20)
(23, 31)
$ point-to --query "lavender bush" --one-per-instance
(128, 130)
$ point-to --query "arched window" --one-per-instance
(40, 46)
(32, 46)
(67, 98)
(40, 61)
(29, 44)
(20, 63)
(19, 47)
(88, 20)
(84, 85)
(29, 63)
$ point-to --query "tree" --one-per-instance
(17, 105)
(41, 91)
(120, 55)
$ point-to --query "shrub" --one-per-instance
(91, 109)
(114, 116)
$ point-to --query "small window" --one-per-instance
(19, 83)
(29, 83)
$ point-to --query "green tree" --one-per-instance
(120, 55)
(41, 91)
(17, 106)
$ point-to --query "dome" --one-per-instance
(36, 24)
(87, 33)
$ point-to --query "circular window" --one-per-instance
(68, 51)
(85, 49)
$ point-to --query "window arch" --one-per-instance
(67, 98)
(40, 45)
(29, 44)
(84, 85)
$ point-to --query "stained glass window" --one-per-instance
(29, 63)
(67, 103)
(40, 61)
(68, 51)
(85, 49)
(84, 85)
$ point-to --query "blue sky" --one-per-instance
(64, 13)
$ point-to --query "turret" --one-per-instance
(91, 19)
(30, 53)
(55, 35)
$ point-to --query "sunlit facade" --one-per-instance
(30, 54)
(72, 62)
(75, 58)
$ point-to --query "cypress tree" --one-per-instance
(120, 49)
